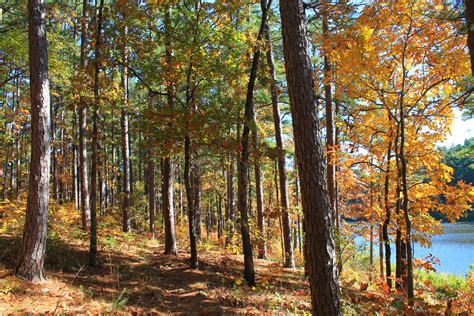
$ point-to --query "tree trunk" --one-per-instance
(230, 215)
(150, 179)
(32, 253)
(168, 207)
(404, 176)
(125, 144)
(95, 140)
(288, 250)
(219, 217)
(196, 178)
(83, 172)
(167, 168)
(319, 245)
(386, 223)
(190, 199)
(54, 163)
(381, 252)
(126, 168)
(249, 271)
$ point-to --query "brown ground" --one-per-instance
(137, 277)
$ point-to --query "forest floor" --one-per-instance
(137, 279)
(134, 276)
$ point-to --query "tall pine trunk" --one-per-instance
(95, 140)
(33, 247)
(83, 170)
(167, 167)
(319, 242)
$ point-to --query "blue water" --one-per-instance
(454, 248)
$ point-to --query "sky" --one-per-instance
(460, 131)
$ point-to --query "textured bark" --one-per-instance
(470, 30)
(168, 207)
(83, 172)
(32, 253)
(95, 140)
(319, 242)
(288, 250)
(125, 145)
(167, 167)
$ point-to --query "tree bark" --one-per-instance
(249, 270)
(318, 222)
(32, 253)
(288, 250)
(196, 188)
(230, 215)
(167, 170)
(125, 143)
(95, 140)
(386, 223)
(83, 172)
(168, 207)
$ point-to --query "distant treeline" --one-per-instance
(461, 159)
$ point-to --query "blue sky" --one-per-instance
(460, 131)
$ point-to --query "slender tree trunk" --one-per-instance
(189, 163)
(196, 178)
(249, 271)
(386, 223)
(95, 140)
(125, 143)
(150, 179)
(190, 200)
(404, 176)
(331, 170)
(75, 182)
(288, 250)
(381, 252)
(33, 247)
(219, 217)
(230, 199)
(83, 172)
(54, 163)
(320, 249)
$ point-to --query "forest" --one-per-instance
(227, 157)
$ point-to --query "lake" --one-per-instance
(454, 248)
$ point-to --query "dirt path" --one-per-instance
(142, 279)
